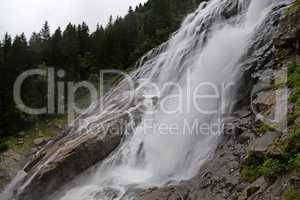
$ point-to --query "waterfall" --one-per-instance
(183, 92)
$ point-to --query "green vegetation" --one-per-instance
(274, 166)
(264, 128)
(271, 166)
(294, 82)
(81, 54)
(268, 167)
(296, 162)
(25, 142)
(292, 194)
(289, 158)
(249, 173)
(250, 168)
(294, 8)
(293, 142)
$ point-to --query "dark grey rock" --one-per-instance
(64, 159)
(220, 178)
(261, 144)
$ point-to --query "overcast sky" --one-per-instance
(17, 16)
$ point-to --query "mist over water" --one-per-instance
(203, 57)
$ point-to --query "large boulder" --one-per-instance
(261, 144)
(65, 158)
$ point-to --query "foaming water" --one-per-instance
(198, 53)
(162, 145)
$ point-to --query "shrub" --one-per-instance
(271, 168)
(249, 173)
(264, 128)
(292, 194)
(289, 159)
(295, 163)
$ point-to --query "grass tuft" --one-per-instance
(292, 194)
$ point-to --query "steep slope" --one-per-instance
(258, 160)
(245, 165)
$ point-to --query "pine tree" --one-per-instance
(7, 43)
(2, 74)
(110, 21)
(36, 49)
(84, 38)
(70, 50)
(56, 55)
(97, 40)
(19, 52)
(81, 54)
(45, 32)
(1, 54)
(130, 10)
(45, 36)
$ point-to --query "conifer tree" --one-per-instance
(81, 53)
(45, 32)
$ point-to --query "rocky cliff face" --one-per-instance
(232, 172)
(64, 158)
(226, 175)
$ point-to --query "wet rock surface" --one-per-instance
(217, 179)
(220, 177)
(10, 164)
(262, 144)
(65, 158)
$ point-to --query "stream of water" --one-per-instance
(186, 88)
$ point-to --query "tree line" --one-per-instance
(81, 53)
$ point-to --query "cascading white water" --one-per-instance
(205, 51)
(201, 58)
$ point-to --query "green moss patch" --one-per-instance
(22, 144)
(294, 8)
(289, 159)
(264, 128)
(292, 194)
